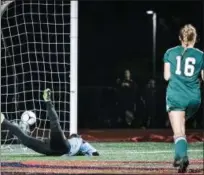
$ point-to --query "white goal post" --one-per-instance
(74, 67)
(53, 53)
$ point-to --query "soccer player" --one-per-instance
(183, 66)
(57, 145)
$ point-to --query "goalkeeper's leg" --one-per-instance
(30, 142)
(58, 141)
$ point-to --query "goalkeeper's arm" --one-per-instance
(85, 148)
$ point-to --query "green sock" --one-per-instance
(180, 147)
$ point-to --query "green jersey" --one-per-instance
(185, 67)
(183, 92)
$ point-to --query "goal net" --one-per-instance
(35, 54)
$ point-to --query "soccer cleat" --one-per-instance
(2, 118)
(47, 95)
(183, 165)
(176, 163)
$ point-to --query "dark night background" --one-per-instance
(117, 35)
(113, 36)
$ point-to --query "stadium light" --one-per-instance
(150, 12)
(154, 28)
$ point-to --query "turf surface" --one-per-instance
(142, 157)
(145, 151)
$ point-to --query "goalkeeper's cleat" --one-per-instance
(2, 118)
(47, 95)
(183, 165)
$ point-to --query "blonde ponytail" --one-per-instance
(188, 34)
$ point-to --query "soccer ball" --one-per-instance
(28, 117)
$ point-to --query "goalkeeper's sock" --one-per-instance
(180, 147)
(54, 119)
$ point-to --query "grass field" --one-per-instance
(117, 158)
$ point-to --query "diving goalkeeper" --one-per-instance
(58, 144)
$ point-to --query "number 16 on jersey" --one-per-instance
(189, 66)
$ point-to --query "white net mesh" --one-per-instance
(35, 54)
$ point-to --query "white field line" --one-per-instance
(148, 152)
(104, 152)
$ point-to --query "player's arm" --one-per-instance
(75, 143)
(88, 150)
(167, 72)
(202, 70)
(78, 146)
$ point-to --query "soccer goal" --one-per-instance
(38, 51)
